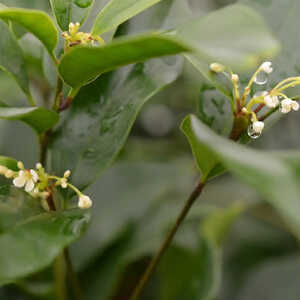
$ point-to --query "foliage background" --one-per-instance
(138, 198)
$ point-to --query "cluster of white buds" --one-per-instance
(273, 99)
(37, 182)
(75, 37)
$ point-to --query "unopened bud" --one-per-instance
(216, 67)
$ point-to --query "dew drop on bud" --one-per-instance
(261, 78)
(251, 133)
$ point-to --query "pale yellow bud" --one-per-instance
(3, 170)
(216, 67)
(9, 174)
(20, 165)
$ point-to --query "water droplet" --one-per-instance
(261, 78)
(259, 94)
(251, 133)
(83, 3)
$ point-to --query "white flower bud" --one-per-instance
(67, 174)
(85, 202)
(258, 126)
(271, 101)
(295, 105)
(235, 78)
(287, 105)
(38, 166)
(266, 67)
(20, 165)
(216, 67)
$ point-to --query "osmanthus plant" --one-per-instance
(94, 103)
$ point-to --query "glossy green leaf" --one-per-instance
(12, 58)
(94, 61)
(67, 11)
(268, 174)
(36, 22)
(117, 12)
(245, 40)
(40, 119)
(30, 239)
(9, 163)
(41, 239)
(107, 108)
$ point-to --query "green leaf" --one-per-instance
(196, 275)
(12, 58)
(83, 64)
(107, 108)
(36, 22)
(216, 226)
(273, 177)
(67, 11)
(206, 159)
(117, 12)
(244, 41)
(31, 245)
(9, 163)
(40, 119)
(30, 239)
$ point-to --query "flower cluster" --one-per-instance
(74, 37)
(251, 106)
(36, 182)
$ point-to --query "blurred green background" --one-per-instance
(138, 199)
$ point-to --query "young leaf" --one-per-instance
(116, 12)
(8, 162)
(12, 58)
(40, 119)
(36, 22)
(206, 159)
(67, 11)
(83, 64)
(244, 42)
(268, 174)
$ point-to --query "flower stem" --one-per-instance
(165, 245)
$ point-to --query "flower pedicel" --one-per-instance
(36, 182)
(273, 99)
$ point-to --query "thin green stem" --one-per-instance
(78, 295)
(31, 100)
(165, 245)
(285, 81)
(292, 84)
(58, 91)
(60, 269)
